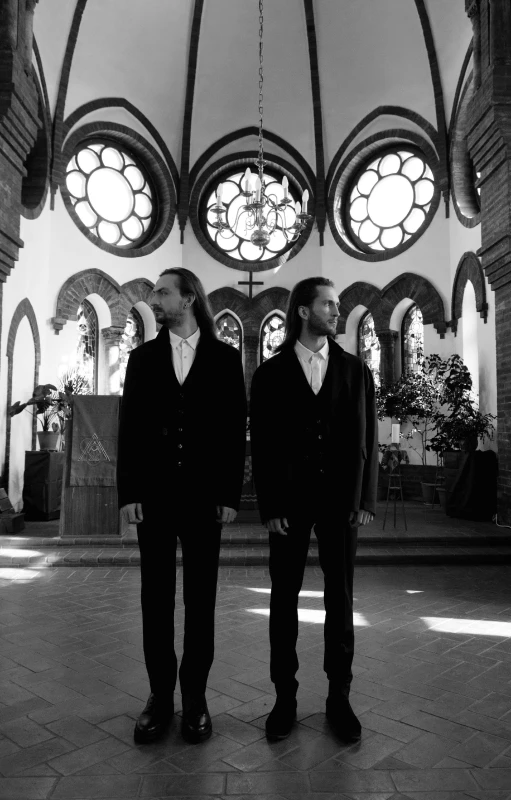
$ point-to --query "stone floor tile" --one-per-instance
(235, 689)
(239, 731)
(480, 749)
(493, 705)
(438, 725)
(192, 759)
(496, 779)
(398, 709)
(26, 788)
(426, 751)
(434, 780)
(448, 705)
(24, 732)
(370, 751)
(85, 756)
(350, 781)
(389, 727)
(182, 785)
(254, 709)
(31, 756)
(263, 783)
(480, 722)
(104, 786)
(77, 731)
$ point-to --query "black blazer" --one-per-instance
(278, 400)
(192, 435)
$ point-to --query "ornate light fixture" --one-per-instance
(262, 213)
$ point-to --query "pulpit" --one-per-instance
(89, 493)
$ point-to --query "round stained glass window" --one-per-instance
(236, 243)
(110, 193)
(389, 200)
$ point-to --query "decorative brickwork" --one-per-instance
(24, 309)
(35, 184)
(469, 269)
(319, 192)
(119, 299)
(251, 314)
(489, 144)
(19, 122)
(382, 302)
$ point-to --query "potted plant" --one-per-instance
(45, 400)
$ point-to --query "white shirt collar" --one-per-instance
(192, 340)
(306, 354)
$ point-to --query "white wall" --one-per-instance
(21, 424)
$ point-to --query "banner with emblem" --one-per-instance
(94, 440)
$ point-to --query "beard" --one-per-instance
(169, 319)
(320, 327)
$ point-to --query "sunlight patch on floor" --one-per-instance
(479, 627)
(18, 574)
(303, 593)
(313, 615)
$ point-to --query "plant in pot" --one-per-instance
(45, 400)
(71, 382)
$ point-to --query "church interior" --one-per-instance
(364, 141)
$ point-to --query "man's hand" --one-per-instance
(277, 525)
(133, 513)
(224, 514)
(360, 517)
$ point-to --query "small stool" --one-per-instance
(395, 485)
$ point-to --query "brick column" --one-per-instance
(489, 142)
(112, 337)
(18, 121)
(387, 339)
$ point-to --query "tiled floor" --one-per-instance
(432, 687)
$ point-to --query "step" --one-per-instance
(257, 556)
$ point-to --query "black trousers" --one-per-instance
(200, 543)
(337, 542)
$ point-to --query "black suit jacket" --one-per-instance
(277, 426)
(189, 438)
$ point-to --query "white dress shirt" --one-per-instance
(183, 353)
(314, 365)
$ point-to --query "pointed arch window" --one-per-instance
(132, 337)
(229, 330)
(369, 345)
(412, 339)
(273, 332)
(87, 344)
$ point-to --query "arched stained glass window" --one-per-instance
(132, 337)
(369, 345)
(229, 330)
(272, 335)
(87, 345)
(412, 339)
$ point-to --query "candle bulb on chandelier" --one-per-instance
(258, 189)
(305, 199)
(247, 180)
(219, 194)
(298, 207)
(285, 184)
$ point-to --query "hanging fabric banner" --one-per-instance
(94, 432)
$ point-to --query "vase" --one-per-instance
(48, 440)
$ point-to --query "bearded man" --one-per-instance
(315, 464)
(181, 464)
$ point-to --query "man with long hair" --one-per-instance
(315, 461)
(181, 463)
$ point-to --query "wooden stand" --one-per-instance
(42, 486)
(395, 486)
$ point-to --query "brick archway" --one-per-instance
(78, 287)
(135, 291)
(251, 314)
(24, 309)
(468, 269)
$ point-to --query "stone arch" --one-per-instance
(233, 300)
(360, 294)
(24, 309)
(78, 287)
(132, 292)
(423, 294)
(469, 269)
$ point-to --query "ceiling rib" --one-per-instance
(318, 119)
(184, 192)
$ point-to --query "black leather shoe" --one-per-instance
(281, 718)
(154, 719)
(196, 724)
(342, 718)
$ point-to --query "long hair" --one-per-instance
(189, 283)
(303, 294)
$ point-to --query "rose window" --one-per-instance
(110, 194)
(390, 200)
(237, 245)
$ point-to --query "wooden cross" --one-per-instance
(250, 283)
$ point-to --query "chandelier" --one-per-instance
(262, 213)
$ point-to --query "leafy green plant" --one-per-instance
(45, 407)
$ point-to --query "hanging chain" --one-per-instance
(261, 89)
